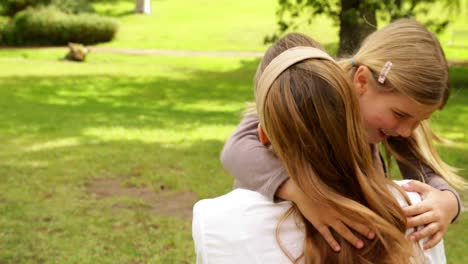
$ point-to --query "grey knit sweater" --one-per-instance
(256, 168)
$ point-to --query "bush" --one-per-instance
(458, 76)
(11, 7)
(73, 6)
(3, 24)
(50, 26)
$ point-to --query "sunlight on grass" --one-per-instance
(210, 105)
(455, 136)
(157, 122)
(147, 121)
(212, 27)
(241, 27)
(59, 143)
(169, 137)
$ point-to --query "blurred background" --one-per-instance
(107, 143)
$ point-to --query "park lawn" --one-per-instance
(147, 122)
(154, 122)
(238, 26)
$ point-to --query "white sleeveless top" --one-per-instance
(239, 227)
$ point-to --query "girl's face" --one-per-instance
(387, 113)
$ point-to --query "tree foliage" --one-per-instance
(357, 18)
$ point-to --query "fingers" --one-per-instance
(423, 219)
(361, 229)
(327, 235)
(427, 231)
(346, 233)
(416, 209)
(417, 186)
(435, 239)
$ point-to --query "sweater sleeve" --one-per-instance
(430, 177)
(254, 166)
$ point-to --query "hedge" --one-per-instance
(50, 26)
(11, 7)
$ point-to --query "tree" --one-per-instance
(143, 6)
(356, 18)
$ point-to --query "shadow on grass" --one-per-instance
(68, 104)
(149, 131)
(60, 133)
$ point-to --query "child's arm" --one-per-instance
(440, 206)
(253, 165)
(256, 168)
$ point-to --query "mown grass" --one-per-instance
(239, 26)
(148, 121)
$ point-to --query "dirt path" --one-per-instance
(181, 53)
(188, 53)
(193, 53)
(167, 203)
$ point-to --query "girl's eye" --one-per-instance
(398, 115)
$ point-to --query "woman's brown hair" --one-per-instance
(311, 116)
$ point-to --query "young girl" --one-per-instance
(400, 76)
(309, 112)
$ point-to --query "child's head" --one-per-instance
(415, 85)
(394, 100)
(311, 116)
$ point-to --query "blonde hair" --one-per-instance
(311, 116)
(419, 71)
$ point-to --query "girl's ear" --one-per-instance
(262, 135)
(360, 81)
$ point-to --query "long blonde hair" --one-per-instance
(311, 116)
(419, 71)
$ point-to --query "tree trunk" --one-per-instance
(357, 20)
(143, 6)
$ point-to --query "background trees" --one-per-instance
(358, 18)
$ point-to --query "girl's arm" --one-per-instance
(440, 206)
(255, 167)
(432, 179)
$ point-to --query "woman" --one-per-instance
(400, 76)
(311, 117)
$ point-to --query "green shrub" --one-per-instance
(73, 6)
(11, 7)
(458, 77)
(3, 24)
(50, 26)
(4, 21)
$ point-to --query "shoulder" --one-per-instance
(435, 254)
(414, 197)
(239, 227)
(240, 196)
(238, 205)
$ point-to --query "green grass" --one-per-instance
(147, 121)
(236, 26)
(64, 124)
(194, 25)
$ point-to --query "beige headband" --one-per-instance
(279, 64)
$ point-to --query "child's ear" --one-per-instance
(262, 136)
(360, 80)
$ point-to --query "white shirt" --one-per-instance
(240, 227)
